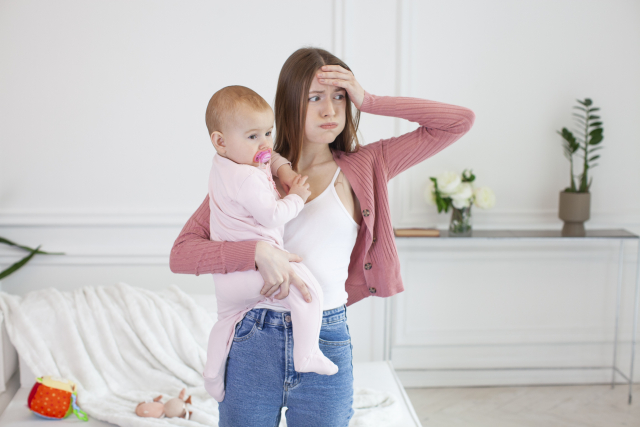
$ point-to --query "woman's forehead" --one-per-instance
(317, 87)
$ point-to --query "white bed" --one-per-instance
(16, 387)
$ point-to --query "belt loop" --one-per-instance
(262, 316)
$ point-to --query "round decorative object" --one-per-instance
(461, 222)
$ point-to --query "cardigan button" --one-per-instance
(372, 290)
(287, 318)
(374, 239)
(366, 212)
(367, 266)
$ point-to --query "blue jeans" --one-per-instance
(260, 377)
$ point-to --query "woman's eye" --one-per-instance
(253, 136)
(268, 133)
(339, 97)
(314, 98)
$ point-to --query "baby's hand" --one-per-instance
(286, 175)
(300, 187)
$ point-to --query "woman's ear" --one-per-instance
(217, 139)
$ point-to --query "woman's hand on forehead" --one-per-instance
(336, 75)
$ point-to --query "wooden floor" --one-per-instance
(535, 406)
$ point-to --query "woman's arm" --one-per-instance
(194, 253)
(440, 126)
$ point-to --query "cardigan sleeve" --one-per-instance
(440, 126)
(194, 253)
(276, 161)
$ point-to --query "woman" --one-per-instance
(344, 234)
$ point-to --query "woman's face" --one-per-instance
(325, 117)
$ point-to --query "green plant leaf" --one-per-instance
(593, 117)
(26, 248)
(468, 177)
(595, 124)
(18, 264)
(567, 135)
(594, 109)
(586, 102)
(594, 157)
(596, 138)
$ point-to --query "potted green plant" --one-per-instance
(32, 252)
(575, 201)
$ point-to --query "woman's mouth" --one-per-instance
(329, 125)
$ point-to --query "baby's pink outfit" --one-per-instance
(245, 205)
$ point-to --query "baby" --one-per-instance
(246, 205)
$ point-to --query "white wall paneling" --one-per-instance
(104, 155)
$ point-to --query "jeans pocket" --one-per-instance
(335, 334)
(245, 329)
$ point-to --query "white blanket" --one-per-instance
(123, 345)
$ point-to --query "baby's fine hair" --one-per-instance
(227, 102)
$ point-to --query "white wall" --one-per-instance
(104, 151)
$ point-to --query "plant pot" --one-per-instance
(461, 222)
(574, 211)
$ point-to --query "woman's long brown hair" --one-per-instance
(292, 99)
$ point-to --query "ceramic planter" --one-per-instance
(574, 211)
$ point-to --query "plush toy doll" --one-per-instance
(54, 398)
(176, 407)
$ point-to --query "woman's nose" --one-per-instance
(327, 109)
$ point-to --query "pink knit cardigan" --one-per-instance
(374, 269)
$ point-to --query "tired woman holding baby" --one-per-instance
(343, 235)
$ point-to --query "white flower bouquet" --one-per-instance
(450, 189)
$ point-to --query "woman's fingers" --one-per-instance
(284, 291)
(337, 68)
(334, 75)
(337, 82)
(294, 258)
(302, 287)
(267, 288)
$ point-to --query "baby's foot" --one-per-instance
(318, 363)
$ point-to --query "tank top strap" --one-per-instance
(333, 181)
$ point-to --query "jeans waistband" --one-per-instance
(283, 318)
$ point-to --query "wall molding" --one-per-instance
(122, 218)
(494, 219)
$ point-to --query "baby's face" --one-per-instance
(249, 133)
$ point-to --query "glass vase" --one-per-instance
(461, 221)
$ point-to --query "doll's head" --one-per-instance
(176, 407)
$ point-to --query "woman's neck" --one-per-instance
(313, 155)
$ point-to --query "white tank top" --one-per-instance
(324, 235)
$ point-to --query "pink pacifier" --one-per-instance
(262, 156)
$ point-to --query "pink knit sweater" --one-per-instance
(374, 269)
